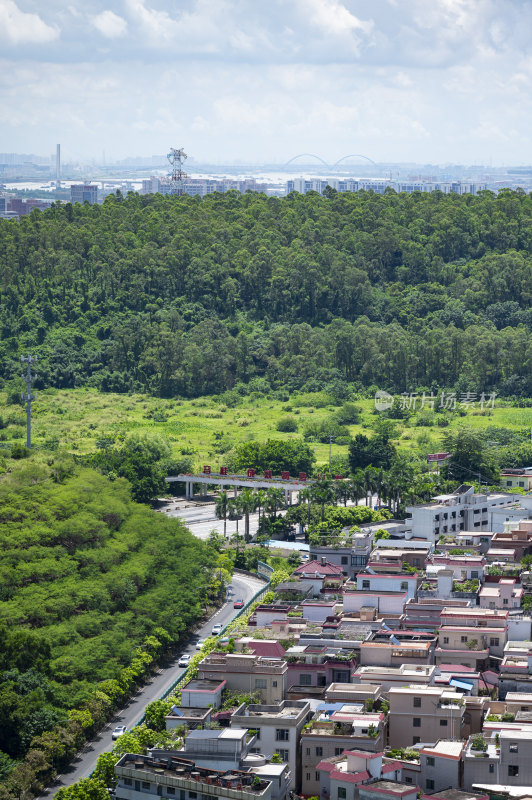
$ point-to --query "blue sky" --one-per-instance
(261, 80)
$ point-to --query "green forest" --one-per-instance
(183, 296)
(93, 589)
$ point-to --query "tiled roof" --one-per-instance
(311, 568)
(349, 777)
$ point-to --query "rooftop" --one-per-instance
(445, 748)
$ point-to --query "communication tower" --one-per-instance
(178, 177)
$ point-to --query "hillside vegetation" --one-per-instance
(188, 296)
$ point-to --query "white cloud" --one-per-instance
(110, 24)
(19, 27)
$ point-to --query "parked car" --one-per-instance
(238, 603)
(184, 661)
(200, 643)
(118, 731)
(216, 629)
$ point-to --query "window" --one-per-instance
(182, 794)
(344, 560)
(307, 776)
(474, 573)
(146, 785)
(513, 770)
(274, 684)
(443, 723)
(192, 795)
(159, 791)
(282, 735)
(305, 679)
(319, 751)
(430, 761)
(307, 751)
(338, 751)
(505, 601)
(446, 640)
(514, 748)
(284, 754)
(430, 784)
(415, 740)
(365, 584)
(170, 790)
(260, 683)
(342, 794)
(463, 639)
(494, 641)
(417, 702)
(128, 781)
(407, 780)
(404, 586)
(416, 722)
(316, 776)
(416, 562)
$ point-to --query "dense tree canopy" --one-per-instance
(193, 296)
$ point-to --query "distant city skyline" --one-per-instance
(445, 81)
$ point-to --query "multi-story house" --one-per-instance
(388, 677)
(424, 714)
(441, 765)
(247, 673)
(175, 778)
(386, 592)
(393, 648)
(318, 665)
(351, 558)
(341, 776)
(506, 761)
(332, 732)
(277, 730)
(516, 669)
(516, 537)
(504, 594)
(470, 636)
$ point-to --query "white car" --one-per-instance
(184, 661)
(118, 731)
(216, 629)
(200, 644)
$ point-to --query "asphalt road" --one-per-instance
(243, 587)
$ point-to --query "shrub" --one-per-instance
(287, 425)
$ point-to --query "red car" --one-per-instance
(238, 604)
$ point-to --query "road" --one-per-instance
(243, 587)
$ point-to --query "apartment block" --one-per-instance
(350, 559)
(341, 776)
(424, 714)
(388, 677)
(509, 764)
(505, 594)
(278, 728)
(315, 665)
(247, 673)
(441, 765)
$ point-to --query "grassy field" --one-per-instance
(203, 428)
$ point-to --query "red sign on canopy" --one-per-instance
(251, 473)
(267, 473)
(302, 476)
(223, 470)
(206, 469)
(285, 476)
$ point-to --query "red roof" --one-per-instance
(392, 766)
(266, 649)
(312, 568)
(455, 668)
(349, 777)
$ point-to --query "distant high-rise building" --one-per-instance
(58, 167)
(83, 193)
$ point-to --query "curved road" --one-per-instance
(243, 587)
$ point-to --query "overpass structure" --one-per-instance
(249, 481)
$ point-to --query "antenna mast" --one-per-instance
(28, 397)
(178, 177)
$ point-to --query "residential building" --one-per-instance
(317, 575)
(337, 727)
(318, 665)
(188, 717)
(505, 594)
(233, 746)
(516, 537)
(515, 675)
(247, 673)
(350, 558)
(441, 765)
(517, 478)
(425, 612)
(341, 776)
(393, 648)
(202, 693)
(388, 677)
(463, 567)
(424, 714)
(507, 764)
(387, 790)
(176, 778)
(83, 193)
(353, 693)
(470, 636)
(278, 729)
(451, 513)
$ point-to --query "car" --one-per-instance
(216, 629)
(118, 731)
(200, 643)
(238, 603)
(184, 661)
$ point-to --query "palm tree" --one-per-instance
(323, 493)
(356, 486)
(234, 510)
(306, 494)
(341, 490)
(248, 504)
(370, 483)
(222, 508)
(275, 500)
(260, 497)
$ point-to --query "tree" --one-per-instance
(364, 452)
(292, 456)
(470, 458)
(248, 506)
(85, 789)
(221, 508)
(323, 493)
(275, 500)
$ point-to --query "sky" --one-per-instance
(259, 81)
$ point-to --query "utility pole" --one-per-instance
(331, 439)
(28, 397)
